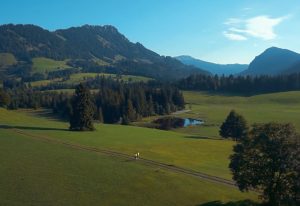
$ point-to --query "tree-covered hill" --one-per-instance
(274, 61)
(88, 47)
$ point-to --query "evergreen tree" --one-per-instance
(130, 111)
(4, 98)
(235, 126)
(83, 109)
(125, 120)
(100, 115)
(178, 99)
(150, 107)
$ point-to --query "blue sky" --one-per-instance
(222, 31)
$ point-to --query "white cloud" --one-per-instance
(232, 21)
(261, 27)
(233, 36)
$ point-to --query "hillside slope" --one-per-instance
(92, 47)
(295, 68)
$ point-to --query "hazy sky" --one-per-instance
(222, 31)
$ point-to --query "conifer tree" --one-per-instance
(4, 98)
(235, 126)
(130, 111)
(100, 115)
(150, 107)
(83, 109)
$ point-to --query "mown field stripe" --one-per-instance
(148, 162)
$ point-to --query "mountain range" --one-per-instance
(273, 61)
(103, 47)
(214, 68)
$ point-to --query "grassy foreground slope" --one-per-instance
(204, 155)
(45, 173)
(213, 108)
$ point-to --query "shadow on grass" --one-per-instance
(48, 114)
(32, 128)
(237, 203)
(229, 94)
(203, 137)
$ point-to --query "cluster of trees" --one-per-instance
(117, 101)
(266, 158)
(114, 101)
(241, 84)
(167, 123)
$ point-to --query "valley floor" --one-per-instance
(45, 173)
(213, 108)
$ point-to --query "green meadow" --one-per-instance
(79, 77)
(46, 173)
(42, 65)
(82, 77)
(7, 59)
(213, 108)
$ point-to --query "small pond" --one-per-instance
(168, 123)
(192, 122)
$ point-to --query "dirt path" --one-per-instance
(148, 162)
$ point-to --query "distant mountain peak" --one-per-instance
(214, 68)
(104, 27)
(272, 61)
(276, 50)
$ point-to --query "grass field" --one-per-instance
(79, 77)
(7, 59)
(52, 174)
(48, 174)
(213, 108)
(42, 65)
(82, 77)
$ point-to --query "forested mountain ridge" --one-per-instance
(101, 46)
(295, 68)
(274, 61)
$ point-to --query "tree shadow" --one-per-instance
(48, 114)
(31, 128)
(228, 94)
(202, 137)
(237, 203)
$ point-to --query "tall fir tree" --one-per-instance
(100, 115)
(83, 110)
(131, 114)
(235, 126)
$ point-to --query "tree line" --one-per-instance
(112, 101)
(241, 84)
